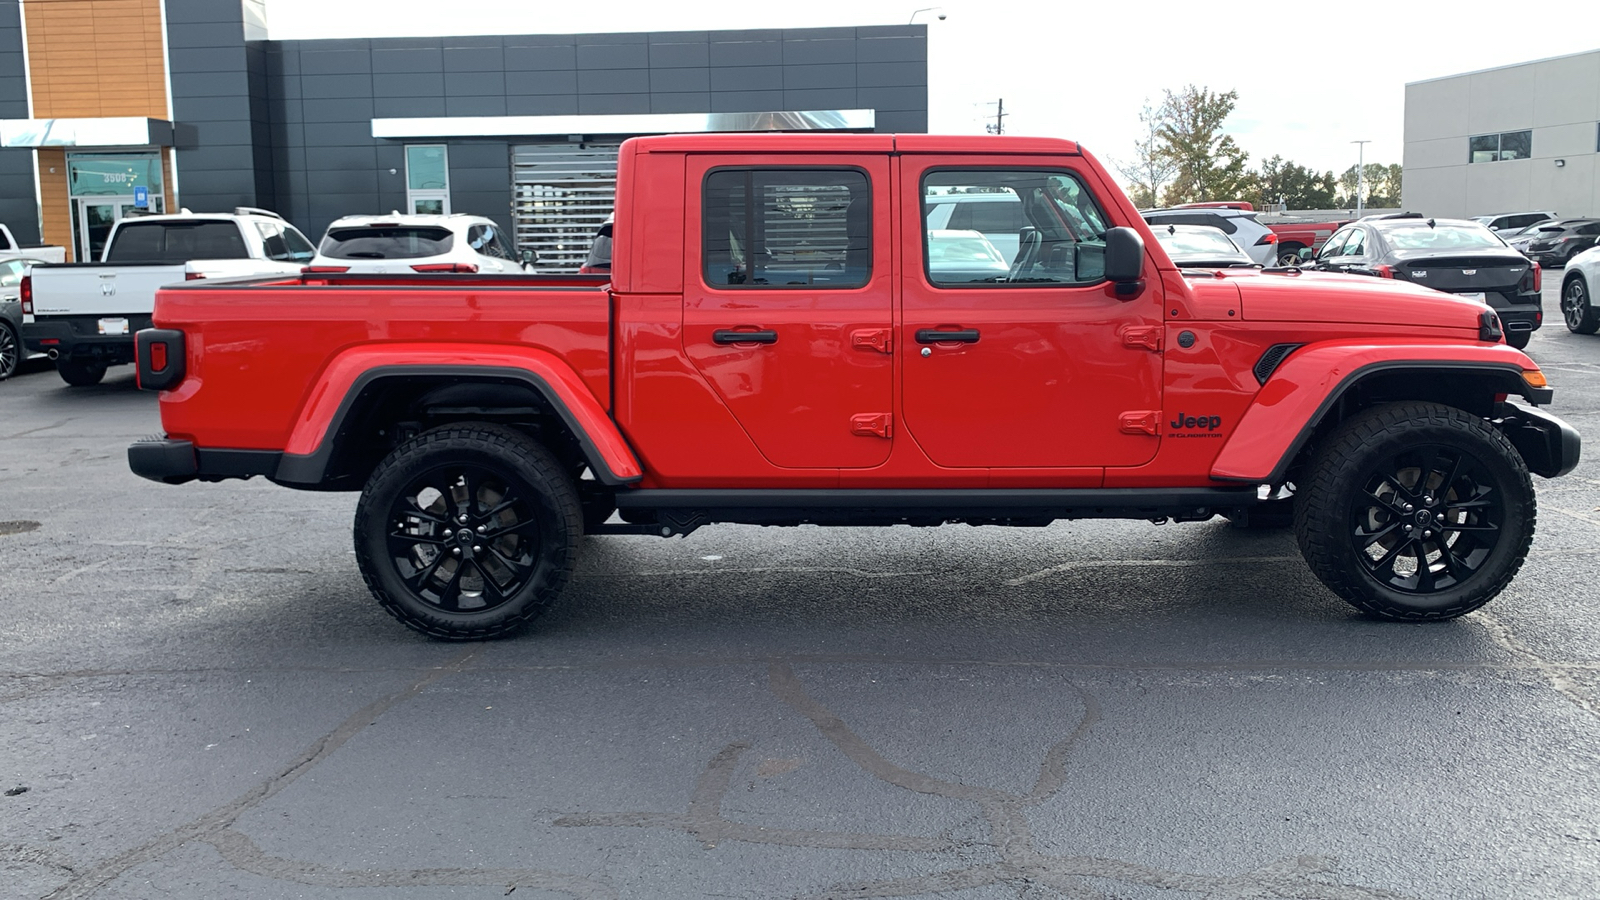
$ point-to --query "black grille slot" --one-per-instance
(1268, 363)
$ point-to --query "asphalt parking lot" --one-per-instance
(199, 699)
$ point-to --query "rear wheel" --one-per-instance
(468, 532)
(1416, 512)
(80, 374)
(10, 353)
(1518, 339)
(1577, 307)
(1289, 255)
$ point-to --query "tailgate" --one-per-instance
(1465, 275)
(94, 289)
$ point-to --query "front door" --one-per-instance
(788, 303)
(1025, 359)
(92, 223)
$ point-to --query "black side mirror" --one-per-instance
(1306, 253)
(1125, 261)
(529, 257)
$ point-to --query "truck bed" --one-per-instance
(257, 346)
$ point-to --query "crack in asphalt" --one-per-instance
(1020, 864)
(1555, 674)
(89, 880)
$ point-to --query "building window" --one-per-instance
(1498, 147)
(428, 179)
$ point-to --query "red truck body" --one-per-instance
(678, 401)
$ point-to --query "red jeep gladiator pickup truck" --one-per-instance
(782, 340)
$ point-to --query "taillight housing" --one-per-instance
(1532, 280)
(193, 276)
(1384, 271)
(159, 354)
(26, 291)
(1270, 237)
(460, 268)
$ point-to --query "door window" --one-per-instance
(1335, 245)
(774, 228)
(428, 179)
(284, 244)
(1061, 239)
(1357, 245)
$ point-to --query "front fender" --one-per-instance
(1306, 386)
(316, 427)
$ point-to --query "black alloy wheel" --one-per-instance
(467, 532)
(10, 353)
(1577, 310)
(1416, 512)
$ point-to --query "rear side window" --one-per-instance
(386, 242)
(283, 243)
(783, 227)
(600, 250)
(176, 242)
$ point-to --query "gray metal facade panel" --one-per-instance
(533, 59)
(542, 82)
(613, 56)
(543, 105)
(476, 84)
(410, 84)
(428, 59)
(335, 87)
(476, 106)
(478, 59)
(12, 64)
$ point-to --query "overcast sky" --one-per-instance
(1311, 77)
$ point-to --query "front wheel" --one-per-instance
(468, 532)
(1577, 307)
(80, 374)
(10, 353)
(1289, 255)
(1416, 512)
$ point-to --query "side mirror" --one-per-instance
(1125, 261)
(1306, 253)
(529, 258)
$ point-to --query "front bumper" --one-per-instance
(1548, 445)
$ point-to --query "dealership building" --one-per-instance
(112, 108)
(1517, 138)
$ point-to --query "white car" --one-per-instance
(1258, 241)
(998, 217)
(1578, 285)
(418, 243)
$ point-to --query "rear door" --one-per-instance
(1039, 367)
(788, 302)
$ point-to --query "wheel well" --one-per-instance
(395, 408)
(1475, 391)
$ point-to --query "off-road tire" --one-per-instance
(1577, 306)
(10, 351)
(1470, 461)
(1518, 339)
(80, 374)
(392, 532)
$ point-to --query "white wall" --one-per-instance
(1558, 99)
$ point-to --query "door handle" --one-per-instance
(730, 336)
(935, 336)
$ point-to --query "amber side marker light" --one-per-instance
(1535, 378)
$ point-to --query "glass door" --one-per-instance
(91, 225)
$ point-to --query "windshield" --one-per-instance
(1192, 244)
(386, 242)
(1441, 237)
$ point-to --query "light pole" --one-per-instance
(1361, 175)
(937, 9)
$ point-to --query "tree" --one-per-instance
(1382, 187)
(1209, 164)
(1296, 186)
(1150, 167)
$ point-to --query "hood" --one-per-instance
(1352, 299)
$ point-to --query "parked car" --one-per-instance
(1457, 256)
(1520, 240)
(997, 216)
(418, 243)
(957, 256)
(1201, 246)
(1577, 292)
(1558, 242)
(85, 314)
(1240, 225)
(598, 262)
(1507, 224)
(10, 249)
(12, 353)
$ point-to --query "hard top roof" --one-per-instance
(765, 142)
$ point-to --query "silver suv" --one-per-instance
(1258, 241)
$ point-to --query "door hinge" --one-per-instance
(1142, 421)
(875, 424)
(872, 339)
(1146, 336)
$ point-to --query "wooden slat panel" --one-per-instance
(90, 58)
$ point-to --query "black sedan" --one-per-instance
(1452, 255)
(1558, 242)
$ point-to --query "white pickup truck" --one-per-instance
(10, 249)
(85, 314)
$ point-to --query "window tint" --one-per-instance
(176, 242)
(485, 239)
(1226, 223)
(1334, 246)
(299, 247)
(11, 273)
(1357, 245)
(988, 216)
(1497, 147)
(600, 250)
(777, 227)
(1589, 229)
(283, 243)
(387, 242)
(1440, 237)
(5, 242)
(1061, 238)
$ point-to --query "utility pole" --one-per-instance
(1361, 175)
(999, 126)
